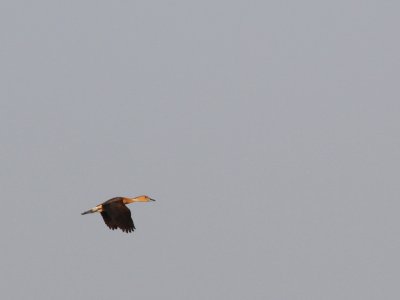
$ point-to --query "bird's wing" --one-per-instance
(107, 219)
(120, 216)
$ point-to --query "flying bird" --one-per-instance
(116, 214)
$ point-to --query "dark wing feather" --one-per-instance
(118, 215)
(109, 222)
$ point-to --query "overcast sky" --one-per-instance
(268, 132)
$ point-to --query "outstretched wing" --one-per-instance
(109, 222)
(117, 215)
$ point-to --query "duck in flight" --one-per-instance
(116, 214)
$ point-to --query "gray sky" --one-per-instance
(268, 131)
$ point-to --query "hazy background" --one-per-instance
(268, 131)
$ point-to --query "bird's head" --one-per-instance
(142, 198)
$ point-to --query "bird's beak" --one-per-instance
(152, 199)
(87, 212)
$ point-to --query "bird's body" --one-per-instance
(116, 214)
